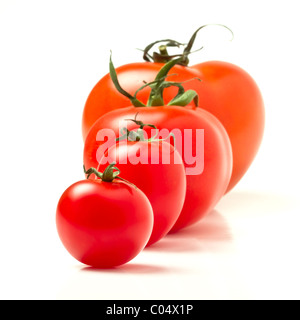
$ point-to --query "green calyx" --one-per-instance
(139, 134)
(163, 55)
(158, 86)
(109, 175)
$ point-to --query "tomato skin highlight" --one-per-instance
(203, 190)
(104, 224)
(162, 181)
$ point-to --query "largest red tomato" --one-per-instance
(226, 91)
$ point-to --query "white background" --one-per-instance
(51, 55)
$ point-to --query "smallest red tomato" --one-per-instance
(105, 222)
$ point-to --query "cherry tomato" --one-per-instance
(104, 224)
(157, 169)
(204, 188)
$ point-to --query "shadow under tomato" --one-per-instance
(129, 268)
(212, 233)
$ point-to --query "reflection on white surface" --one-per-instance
(213, 233)
(246, 249)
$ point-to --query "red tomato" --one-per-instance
(227, 91)
(204, 189)
(104, 224)
(157, 169)
(104, 97)
(235, 99)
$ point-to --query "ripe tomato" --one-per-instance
(104, 224)
(231, 94)
(104, 97)
(157, 169)
(226, 90)
(204, 189)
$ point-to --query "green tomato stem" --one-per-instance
(109, 175)
(157, 88)
(163, 55)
